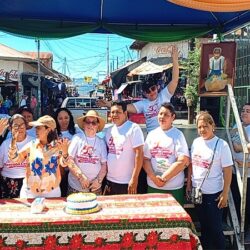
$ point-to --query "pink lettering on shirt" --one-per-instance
(114, 147)
(152, 111)
(160, 152)
(87, 155)
(15, 165)
(87, 159)
(199, 162)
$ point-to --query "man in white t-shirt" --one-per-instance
(125, 152)
(239, 157)
(152, 103)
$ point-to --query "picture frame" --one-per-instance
(217, 68)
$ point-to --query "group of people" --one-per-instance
(5, 105)
(60, 158)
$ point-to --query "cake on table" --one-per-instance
(82, 203)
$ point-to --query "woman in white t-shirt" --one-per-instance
(12, 174)
(165, 156)
(66, 128)
(65, 123)
(88, 154)
(208, 150)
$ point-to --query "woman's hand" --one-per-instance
(132, 186)
(158, 181)
(188, 190)
(85, 183)
(4, 124)
(63, 145)
(223, 198)
(95, 185)
(175, 53)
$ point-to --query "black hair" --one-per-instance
(247, 103)
(148, 83)
(52, 135)
(121, 104)
(13, 110)
(25, 108)
(71, 126)
(170, 107)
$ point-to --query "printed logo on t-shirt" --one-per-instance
(87, 155)
(160, 152)
(114, 146)
(199, 162)
(161, 166)
(152, 111)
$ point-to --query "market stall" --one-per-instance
(124, 222)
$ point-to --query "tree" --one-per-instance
(192, 65)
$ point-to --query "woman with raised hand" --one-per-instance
(43, 157)
(12, 173)
(89, 155)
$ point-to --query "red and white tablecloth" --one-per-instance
(150, 221)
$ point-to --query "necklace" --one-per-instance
(90, 150)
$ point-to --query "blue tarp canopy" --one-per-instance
(145, 20)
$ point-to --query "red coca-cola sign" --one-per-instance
(13, 74)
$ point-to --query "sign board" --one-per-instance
(154, 50)
(87, 78)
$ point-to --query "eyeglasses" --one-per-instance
(151, 89)
(17, 126)
(94, 123)
(245, 111)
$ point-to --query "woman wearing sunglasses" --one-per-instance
(88, 155)
(150, 106)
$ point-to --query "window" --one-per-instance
(93, 103)
(80, 103)
(71, 103)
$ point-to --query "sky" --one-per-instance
(79, 56)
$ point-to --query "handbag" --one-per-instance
(196, 194)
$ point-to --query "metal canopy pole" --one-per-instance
(39, 78)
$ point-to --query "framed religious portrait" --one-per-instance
(217, 68)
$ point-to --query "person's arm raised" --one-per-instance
(131, 109)
(103, 103)
(175, 72)
(3, 125)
